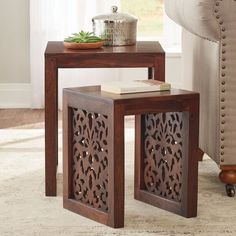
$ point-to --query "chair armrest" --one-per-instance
(211, 68)
(196, 16)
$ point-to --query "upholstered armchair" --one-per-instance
(209, 67)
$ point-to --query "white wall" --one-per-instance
(14, 41)
(14, 48)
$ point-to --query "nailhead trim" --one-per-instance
(223, 74)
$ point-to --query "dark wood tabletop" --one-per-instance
(143, 54)
(55, 48)
(96, 92)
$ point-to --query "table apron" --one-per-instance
(108, 61)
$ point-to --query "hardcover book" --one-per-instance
(135, 86)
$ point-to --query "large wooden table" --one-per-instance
(144, 54)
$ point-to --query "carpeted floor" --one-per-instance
(24, 210)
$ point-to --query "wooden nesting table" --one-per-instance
(144, 54)
(166, 149)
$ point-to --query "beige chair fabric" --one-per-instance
(209, 67)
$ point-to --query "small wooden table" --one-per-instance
(166, 146)
(144, 54)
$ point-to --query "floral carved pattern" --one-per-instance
(90, 159)
(163, 144)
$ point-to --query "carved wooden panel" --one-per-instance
(163, 144)
(90, 159)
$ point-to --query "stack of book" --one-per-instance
(135, 86)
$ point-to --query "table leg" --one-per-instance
(51, 126)
(139, 149)
(150, 72)
(191, 168)
(116, 171)
(158, 71)
(159, 68)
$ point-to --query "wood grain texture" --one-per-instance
(55, 48)
(143, 54)
(51, 126)
(166, 151)
(228, 176)
(188, 202)
(88, 163)
(90, 151)
(163, 143)
(116, 169)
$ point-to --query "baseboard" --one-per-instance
(15, 95)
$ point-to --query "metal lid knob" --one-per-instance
(115, 16)
(114, 9)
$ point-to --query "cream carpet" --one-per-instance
(24, 210)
